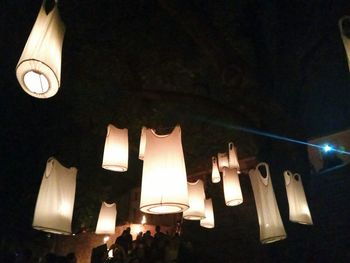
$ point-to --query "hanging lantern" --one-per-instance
(106, 219)
(208, 221)
(298, 208)
(270, 222)
(345, 35)
(215, 174)
(232, 156)
(164, 180)
(142, 143)
(55, 202)
(143, 221)
(39, 68)
(232, 187)
(115, 155)
(196, 198)
(222, 161)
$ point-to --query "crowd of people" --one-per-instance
(149, 249)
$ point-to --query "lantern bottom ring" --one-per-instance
(52, 230)
(234, 202)
(116, 168)
(192, 217)
(164, 208)
(273, 239)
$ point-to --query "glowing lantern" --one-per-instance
(196, 198)
(115, 155)
(232, 187)
(142, 143)
(345, 36)
(222, 161)
(55, 202)
(39, 68)
(232, 156)
(106, 219)
(143, 221)
(164, 182)
(298, 208)
(215, 174)
(208, 221)
(270, 222)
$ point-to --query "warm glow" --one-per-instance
(116, 151)
(55, 202)
(164, 180)
(232, 156)
(298, 207)
(106, 219)
(222, 161)
(196, 198)
(208, 221)
(215, 174)
(143, 221)
(39, 67)
(345, 38)
(142, 143)
(232, 187)
(270, 221)
(135, 229)
(105, 239)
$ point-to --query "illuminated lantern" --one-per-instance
(164, 180)
(270, 222)
(298, 208)
(196, 198)
(232, 187)
(142, 143)
(215, 174)
(222, 161)
(232, 156)
(106, 219)
(345, 36)
(39, 67)
(55, 202)
(208, 221)
(115, 155)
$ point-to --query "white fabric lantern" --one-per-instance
(298, 207)
(196, 198)
(222, 161)
(142, 143)
(116, 151)
(270, 222)
(106, 219)
(232, 156)
(215, 174)
(39, 67)
(164, 180)
(232, 187)
(208, 221)
(344, 36)
(55, 202)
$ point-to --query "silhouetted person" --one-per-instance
(71, 258)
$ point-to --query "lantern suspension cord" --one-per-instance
(274, 136)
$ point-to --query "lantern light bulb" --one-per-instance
(36, 82)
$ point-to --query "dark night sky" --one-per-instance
(278, 66)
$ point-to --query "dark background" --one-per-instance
(274, 66)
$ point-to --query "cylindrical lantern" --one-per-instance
(215, 174)
(116, 152)
(345, 35)
(222, 161)
(208, 221)
(142, 143)
(196, 198)
(55, 202)
(164, 180)
(232, 156)
(232, 187)
(298, 207)
(39, 68)
(106, 219)
(270, 222)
